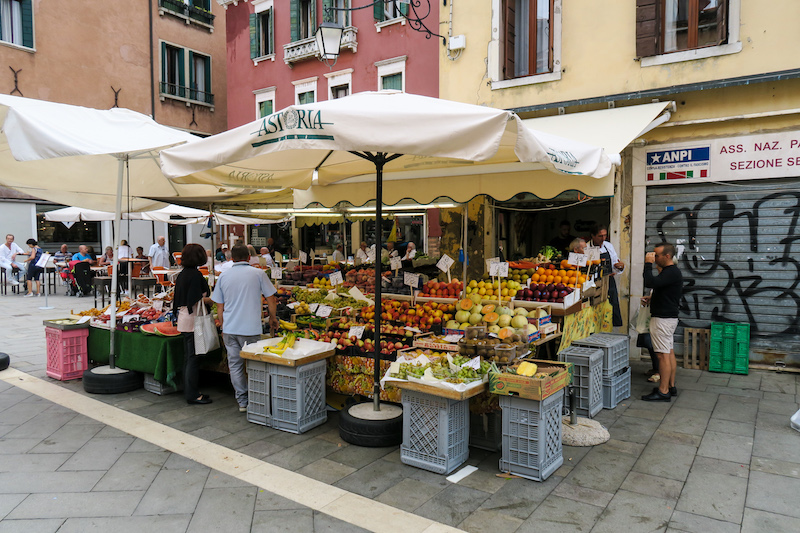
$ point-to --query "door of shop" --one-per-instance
(738, 246)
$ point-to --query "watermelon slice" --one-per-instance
(166, 329)
(149, 329)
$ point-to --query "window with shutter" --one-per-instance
(261, 34)
(669, 26)
(16, 22)
(393, 82)
(528, 37)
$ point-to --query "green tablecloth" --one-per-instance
(151, 354)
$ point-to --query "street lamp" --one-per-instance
(329, 39)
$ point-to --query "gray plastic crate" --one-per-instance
(616, 388)
(435, 432)
(532, 436)
(615, 350)
(587, 378)
(258, 404)
(156, 387)
(298, 396)
(486, 431)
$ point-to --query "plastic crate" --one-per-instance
(532, 436)
(67, 353)
(486, 431)
(435, 432)
(298, 396)
(258, 404)
(615, 350)
(587, 378)
(616, 388)
(729, 348)
(151, 384)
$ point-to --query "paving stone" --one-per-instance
(283, 521)
(572, 454)
(487, 481)
(677, 438)
(561, 515)
(774, 423)
(756, 521)
(14, 446)
(393, 457)
(373, 479)
(8, 502)
(40, 525)
(261, 449)
(583, 494)
(357, 456)
(718, 466)
(453, 505)
(328, 524)
(666, 459)
(29, 462)
(714, 495)
(326, 470)
(730, 409)
(127, 524)
(40, 426)
(111, 433)
(173, 492)
(693, 523)
(133, 471)
(482, 521)
(633, 429)
(773, 466)
(660, 487)
(69, 439)
(738, 393)
(718, 380)
(334, 437)
(140, 445)
(726, 447)
(629, 448)
(210, 433)
(268, 501)
(67, 505)
(218, 480)
(752, 381)
(780, 397)
(704, 401)
(690, 386)
(98, 454)
(179, 462)
(771, 492)
(744, 429)
(629, 511)
(226, 509)
(409, 494)
(778, 407)
(782, 383)
(22, 482)
(602, 470)
(22, 412)
(781, 446)
(302, 454)
(431, 478)
(519, 497)
(683, 420)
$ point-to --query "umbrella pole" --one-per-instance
(213, 248)
(379, 162)
(112, 310)
(464, 221)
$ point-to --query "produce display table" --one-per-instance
(151, 354)
(435, 426)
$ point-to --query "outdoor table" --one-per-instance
(435, 426)
(142, 284)
(102, 282)
(150, 354)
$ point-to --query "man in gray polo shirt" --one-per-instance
(238, 296)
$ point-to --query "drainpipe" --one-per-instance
(152, 66)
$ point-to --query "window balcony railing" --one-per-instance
(187, 12)
(180, 92)
(306, 48)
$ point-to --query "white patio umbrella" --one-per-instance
(76, 214)
(375, 134)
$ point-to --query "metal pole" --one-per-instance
(47, 283)
(379, 162)
(464, 222)
(112, 310)
(213, 248)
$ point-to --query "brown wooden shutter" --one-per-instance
(722, 22)
(510, 36)
(647, 28)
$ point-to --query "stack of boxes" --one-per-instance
(587, 378)
(616, 370)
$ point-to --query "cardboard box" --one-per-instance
(530, 387)
(424, 341)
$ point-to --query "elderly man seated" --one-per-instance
(270, 262)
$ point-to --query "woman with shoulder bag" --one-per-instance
(191, 291)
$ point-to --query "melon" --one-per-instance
(451, 324)
(465, 304)
(521, 311)
(475, 318)
(465, 325)
(477, 309)
(491, 318)
(519, 322)
(488, 308)
(167, 329)
(504, 321)
(505, 333)
(462, 316)
(505, 311)
(149, 329)
(494, 329)
(475, 297)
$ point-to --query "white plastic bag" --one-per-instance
(206, 338)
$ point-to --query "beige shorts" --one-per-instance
(662, 331)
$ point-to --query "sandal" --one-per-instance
(655, 378)
(204, 399)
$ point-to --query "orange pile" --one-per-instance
(567, 274)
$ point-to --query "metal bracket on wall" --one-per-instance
(193, 122)
(16, 81)
(116, 96)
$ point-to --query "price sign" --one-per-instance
(277, 272)
(128, 318)
(303, 257)
(474, 363)
(498, 269)
(121, 313)
(453, 338)
(313, 307)
(357, 331)
(313, 255)
(445, 263)
(593, 254)
(336, 278)
(396, 263)
(158, 305)
(411, 279)
(578, 260)
(490, 261)
(415, 330)
(324, 311)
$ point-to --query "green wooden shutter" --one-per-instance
(27, 23)
(207, 86)
(181, 74)
(271, 42)
(404, 9)
(294, 19)
(327, 11)
(164, 87)
(378, 11)
(254, 52)
(193, 88)
(313, 29)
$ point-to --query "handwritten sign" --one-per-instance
(593, 254)
(395, 263)
(453, 338)
(128, 318)
(490, 261)
(498, 269)
(445, 263)
(356, 331)
(277, 272)
(474, 363)
(324, 311)
(84, 320)
(292, 305)
(303, 257)
(158, 305)
(336, 278)
(576, 259)
(313, 307)
(411, 279)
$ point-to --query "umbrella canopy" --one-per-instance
(77, 214)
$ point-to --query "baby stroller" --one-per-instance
(79, 277)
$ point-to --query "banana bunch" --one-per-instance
(286, 343)
(526, 369)
(288, 326)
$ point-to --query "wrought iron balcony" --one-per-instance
(188, 12)
(306, 48)
(180, 92)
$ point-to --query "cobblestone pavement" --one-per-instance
(721, 457)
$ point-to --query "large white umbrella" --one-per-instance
(375, 134)
(77, 214)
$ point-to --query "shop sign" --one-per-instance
(769, 155)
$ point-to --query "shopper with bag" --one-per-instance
(189, 308)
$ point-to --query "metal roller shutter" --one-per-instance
(740, 258)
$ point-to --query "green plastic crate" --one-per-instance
(729, 350)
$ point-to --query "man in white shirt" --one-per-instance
(338, 254)
(599, 234)
(411, 251)
(158, 255)
(9, 261)
(362, 256)
(267, 257)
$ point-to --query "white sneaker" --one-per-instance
(242, 408)
(30, 295)
(14, 282)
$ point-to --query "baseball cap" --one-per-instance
(224, 246)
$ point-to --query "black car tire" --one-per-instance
(371, 433)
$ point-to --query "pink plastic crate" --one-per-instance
(67, 353)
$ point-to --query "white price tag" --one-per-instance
(498, 269)
(593, 254)
(121, 313)
(474, 363)
(578, 260)
(128, 318)
(277, 272)
(395, 263)
(490, 261)
(303, 257)
(453, 338)
(84, 320)
(336, 278)
(415, 330)
(357, 331)
(411, 279)
(324, 311)
(158, 305)
(445, 263)
(313, 307)
(292, 305)
(494, 335)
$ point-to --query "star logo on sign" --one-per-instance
(654, 158)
